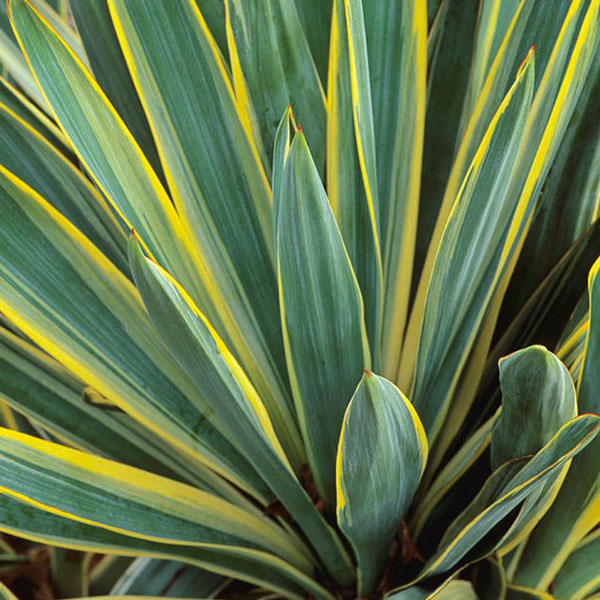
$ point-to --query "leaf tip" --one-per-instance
(292, 119)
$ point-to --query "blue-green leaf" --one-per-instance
(277, 69)
(224, 385)
(475, 248)
(210, 159)
(575, 512)
(512, 483)
(538, 398)
(381, 457)
(321, 312)
(351, 186)
(108, 65)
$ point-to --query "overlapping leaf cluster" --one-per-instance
(279, 285)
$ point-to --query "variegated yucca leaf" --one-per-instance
(572, 517)
(381, 457)
(293, 299)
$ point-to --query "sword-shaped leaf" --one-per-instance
(224, 385)
(381, 457)
(556, 98)
(108, 65)
(254, 566)
(558, 223)
(22, 106)
(474, 251)
(321, 311)
(494, 20)
(558, 78)
(35, 385)
(351, 184)
(56, 287)
(106, 148)
(575, 511)
(82, 487)
(450, 40)
(14, 63)
(34, 160)
(396, 35)
(217, 183)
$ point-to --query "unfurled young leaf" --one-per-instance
(533, 383)
(381, 457)
(538, 398)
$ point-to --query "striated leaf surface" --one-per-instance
(321, 313)
(57, 286)
(381, 457)
(109, 68)
(351, 187)
(277, 69)
(474, 250)
(396, 35)
(227, 389)
(217, 184)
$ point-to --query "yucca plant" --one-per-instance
(279, 284)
